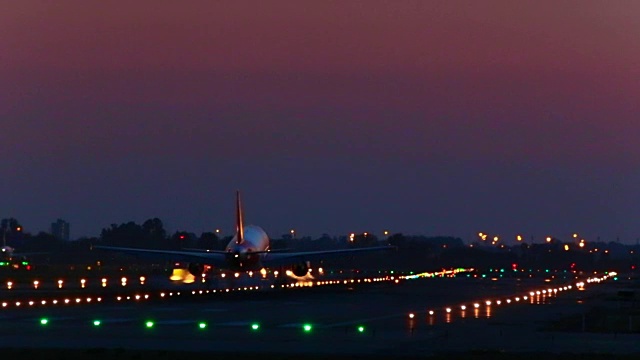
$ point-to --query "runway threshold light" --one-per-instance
(202, 325)
(307, 327)
(255, 326)
(360, 329)
(44, 321)
(97, 323)
(149, 324)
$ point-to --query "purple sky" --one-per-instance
(435, 118)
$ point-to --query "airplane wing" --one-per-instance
(28, 254)
(270, 251)
(210, 257)
(279, 259)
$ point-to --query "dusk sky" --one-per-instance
(420, 117)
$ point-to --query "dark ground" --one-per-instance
(122, 354)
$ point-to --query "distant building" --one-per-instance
(60, 229)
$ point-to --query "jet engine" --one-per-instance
(301, 269)
(196, 269)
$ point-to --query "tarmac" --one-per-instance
(367, 319)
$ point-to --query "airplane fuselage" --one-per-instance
(241, 255)
(6, 253)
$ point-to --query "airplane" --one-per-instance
(8, 257)
(248, 250)
(8, 253)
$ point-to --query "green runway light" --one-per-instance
(255, 326)
(149, 324)
(44, 321)
(202, 325)
(97, 322)
(307, 327)
(361, 329)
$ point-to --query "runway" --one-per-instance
(359, 318)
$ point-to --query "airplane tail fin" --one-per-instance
(239, 224)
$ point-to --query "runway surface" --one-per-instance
(365, 319)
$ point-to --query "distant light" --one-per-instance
(566, 247)
(411, 315)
